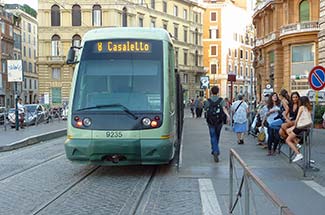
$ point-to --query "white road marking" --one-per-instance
(318, 188)
(209, 201)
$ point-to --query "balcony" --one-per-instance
(52, 59)
(299, 28)
(268, 38)
(262, 5)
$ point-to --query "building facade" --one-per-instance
(7, 89)
(63, 24)
(321, 35)
(228, 44)
(286, 43)
(27, 40)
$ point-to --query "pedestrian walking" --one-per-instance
(192, 106)
(216, 109)
(240, 110)
(198, 107)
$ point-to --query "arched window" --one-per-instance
(55, 15)
(304, 11)
(55, 45)
(125, 17)
(76, 15)
(76, 40)
(97, 15)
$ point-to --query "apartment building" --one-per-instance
(228, 43)
(286, 43)
(7, 89)
(27, 40)
(63, 24)
(321, 35)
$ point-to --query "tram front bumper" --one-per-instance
(101, 151)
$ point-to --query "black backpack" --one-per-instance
(215, 114)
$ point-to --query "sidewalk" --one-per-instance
(281, 177)
(12, 139)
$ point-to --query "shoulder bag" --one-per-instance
(236, 111)
(304, 120)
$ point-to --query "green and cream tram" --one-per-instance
(125, 102)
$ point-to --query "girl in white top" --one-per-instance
(292, 139)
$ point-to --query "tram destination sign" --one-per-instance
(123, 46)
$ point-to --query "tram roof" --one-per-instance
(127, 33)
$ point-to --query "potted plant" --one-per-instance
(318, 119)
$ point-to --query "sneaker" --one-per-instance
(216, 157)
(298, 146)
(298, 157)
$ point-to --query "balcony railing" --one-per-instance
(299, 28)
(268, 38)
(262, 4)
(51, 58)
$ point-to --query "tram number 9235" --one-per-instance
(114, 134)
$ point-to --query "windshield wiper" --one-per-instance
(125, 109)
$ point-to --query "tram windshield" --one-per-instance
(124, 72)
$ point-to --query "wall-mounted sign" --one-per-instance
(204, 82)
(15, 71)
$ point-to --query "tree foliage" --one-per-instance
(29, 10)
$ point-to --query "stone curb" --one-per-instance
(34, 139)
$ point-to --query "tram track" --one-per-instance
(72, 185)
(141, 203)
(137, 207)
(57, 156)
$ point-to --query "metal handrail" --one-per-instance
(248, 174)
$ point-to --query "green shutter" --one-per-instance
(56, 95)
(271, 56)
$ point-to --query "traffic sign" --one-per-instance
(232, 77)
(316, 78)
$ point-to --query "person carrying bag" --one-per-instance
(303, 121)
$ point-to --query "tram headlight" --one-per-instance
(154, 124)
(86, 122)
(146, 121)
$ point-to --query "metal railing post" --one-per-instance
(246, 194)
(231, 178)
(249, 175)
